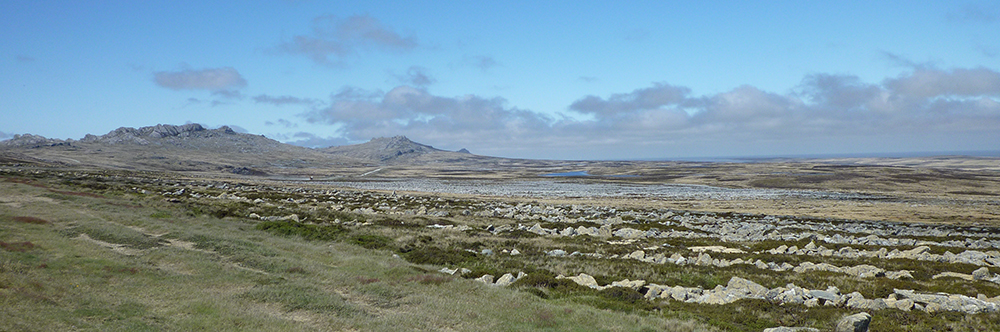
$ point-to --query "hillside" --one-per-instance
(400, 150)
(189, 147)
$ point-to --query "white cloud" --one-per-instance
(313, 141)
(415, 76)
(659, 95)
(228, 94)
(283, 122)
(930, 82)
(482, 62)
(955, 109)
(415, 112)
(332, 39)
(975, 13)
(283, 100)
(213, 79)
(238, 129)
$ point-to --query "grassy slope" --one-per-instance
(182, 271)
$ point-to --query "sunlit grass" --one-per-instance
(198, 272)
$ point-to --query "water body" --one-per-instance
(585, 173)
(561, 188)
(578, 173)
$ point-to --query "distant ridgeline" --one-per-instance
(123, 135)
(192, 147)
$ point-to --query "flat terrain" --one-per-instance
(498, 244)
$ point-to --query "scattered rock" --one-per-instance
(790, 329)
(505, 280)
(486, 279)
(585, 280)
(556, 253)
(854, 323)
(982, 273)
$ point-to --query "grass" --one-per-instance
(200, 272)
(200, 263)
(295, 296)
(113, 233)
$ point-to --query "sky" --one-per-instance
(524, 79)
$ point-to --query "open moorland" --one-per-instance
(127, 231)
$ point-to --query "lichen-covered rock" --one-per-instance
(505, 280)
(486, 279)
(585, 280)
(982, 273)
(854, 323)
(790, 329)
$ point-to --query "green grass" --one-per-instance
(232, 276)
(201, 264)
(113, 233)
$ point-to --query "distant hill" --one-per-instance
(398, 150)
(194, 148)
(382, 149)
(189, 147)
(30, 141)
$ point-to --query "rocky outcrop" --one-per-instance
(143, 135)
(505, 280)
(32, 141)
(739, 289)
(854, 323)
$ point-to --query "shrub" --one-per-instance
(438, 256)
(17, 246)
(370, 241)
(430, 279)
(622, 294)
(306, 231)
(31, 220)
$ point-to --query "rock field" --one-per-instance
(573, 189)
(847, 240)
(943, 268)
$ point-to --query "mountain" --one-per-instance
(382, 149)
(31, 141)
(396, 150)
(194, 148)
(189, 147)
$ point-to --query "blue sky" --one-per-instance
(533, 79)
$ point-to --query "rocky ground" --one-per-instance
(664, 258)
(578, 189)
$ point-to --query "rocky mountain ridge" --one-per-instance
(142, 135)
(195, 147)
